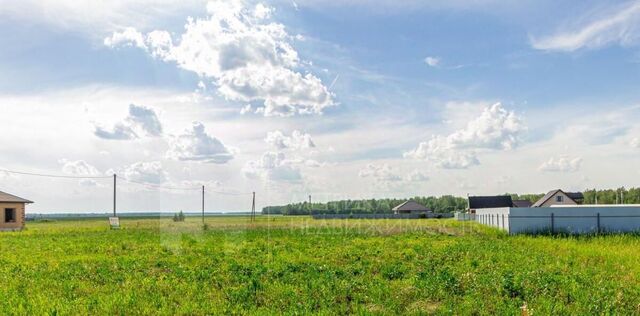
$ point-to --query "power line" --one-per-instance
(54, 175)
(230, 193)
(157, 186)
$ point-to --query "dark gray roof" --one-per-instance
(476, 202)
(411, 206)
(522, 203)
(10, 198)
(573, 195)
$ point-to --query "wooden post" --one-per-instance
(552, 224)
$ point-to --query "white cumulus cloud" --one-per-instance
(146, 172)
(272, 166)
(128, 37)
(561, 164)
(443, 154)
(495, 129)
(380, 173)
(196, 145)
(248, 57)
(140, 121)
(432, 61)
(297, 140)
(80, 168)
(417, 176)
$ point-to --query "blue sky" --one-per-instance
(350, 99)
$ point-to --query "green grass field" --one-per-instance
(297, 265)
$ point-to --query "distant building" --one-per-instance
(480, 202)
(411, 207)
(12, 210)
(559, 197)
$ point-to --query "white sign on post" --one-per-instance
(114, 222)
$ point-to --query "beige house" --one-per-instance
(12, 211)
(559, 197)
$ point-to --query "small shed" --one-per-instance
(411, 207)
(12, 211)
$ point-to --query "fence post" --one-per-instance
(509, 222)
(598, 217)
(502, 221)
(552, 224)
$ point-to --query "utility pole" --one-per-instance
(114, 195)
(203, 204)
(253, 207)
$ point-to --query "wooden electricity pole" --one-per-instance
(253, 207)
(114, 195)
(203, 204)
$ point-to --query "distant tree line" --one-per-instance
(442, 204)
(612, 196)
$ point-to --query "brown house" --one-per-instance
(12, 209)
(411, 207)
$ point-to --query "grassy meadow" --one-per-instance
(297, 265)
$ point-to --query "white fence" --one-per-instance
(573, 220)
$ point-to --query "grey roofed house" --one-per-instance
(410, 207)
(478, 202)
(522, 203)
(574, 197)
(10, 198)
